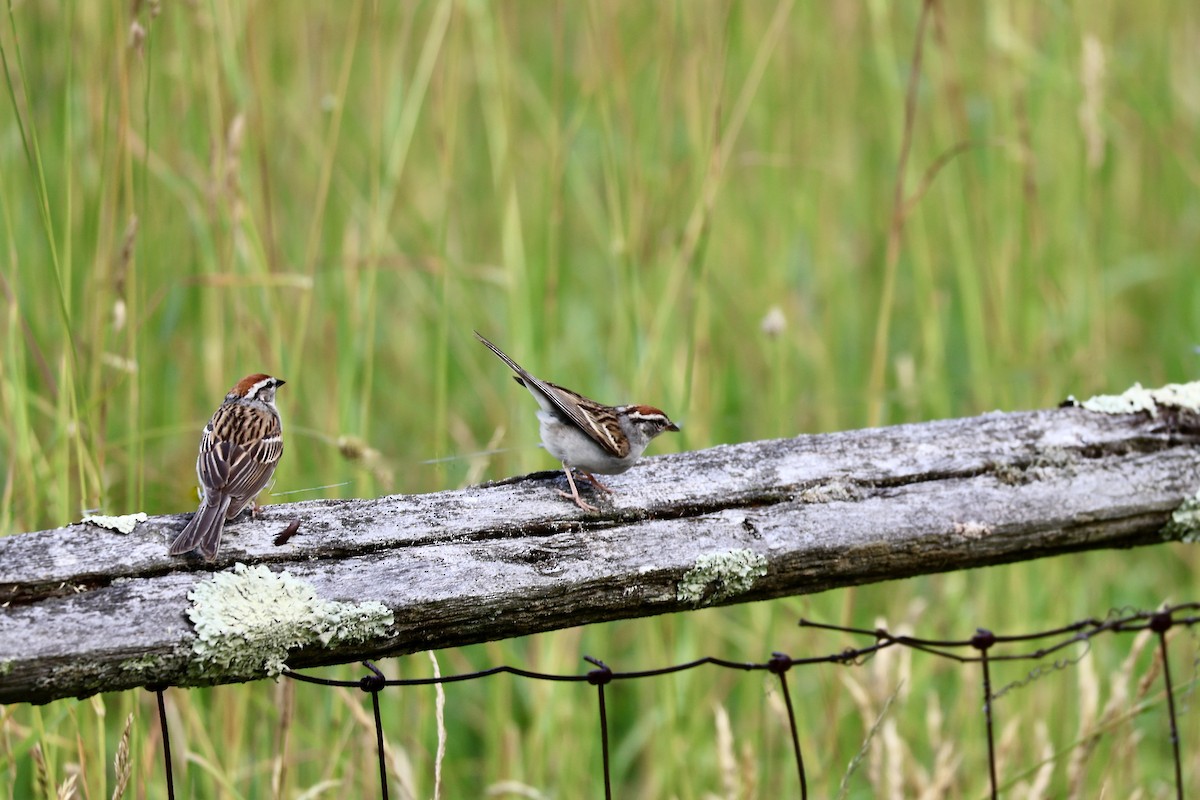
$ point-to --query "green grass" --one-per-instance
(617, 194)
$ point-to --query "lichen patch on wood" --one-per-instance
(1185, 396)
(1185, 522)
(248, 619)
(121, 524)
(719, 576)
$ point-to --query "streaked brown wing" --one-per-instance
(595, 422)
(249, 472)
(212, 465)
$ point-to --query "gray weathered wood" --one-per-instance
(88, 610)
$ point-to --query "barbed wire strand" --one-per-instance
(982, 641)
(1083, 631)
(166, 737)
(779, 664)
(375, 683)
(599, 678)
(1160, 624)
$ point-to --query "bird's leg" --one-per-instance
(255, 508)
(574, 495)
(592, 479)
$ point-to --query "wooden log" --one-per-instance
(87, 609)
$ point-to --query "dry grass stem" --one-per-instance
(122, 763)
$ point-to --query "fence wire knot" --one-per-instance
(1161, 622)
(599, 677)
(779, 663)
(983, 639)
(374, 682)
(850, 656)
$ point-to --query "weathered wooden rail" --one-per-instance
(84, 609)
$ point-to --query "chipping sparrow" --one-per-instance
(239, 450)
(584, 434)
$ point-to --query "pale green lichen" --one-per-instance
(6, 666)
(1136, 398)
(248, 619)
(124, 524)
(141, 664)
(716, 576)
(1185, 522)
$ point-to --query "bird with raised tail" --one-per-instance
(239, 450)
(585, 435)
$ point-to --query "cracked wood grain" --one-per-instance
(85, 609)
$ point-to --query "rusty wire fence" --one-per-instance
(982, 651)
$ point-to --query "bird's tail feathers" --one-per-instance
(203, 533)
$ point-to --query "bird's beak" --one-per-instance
(673, 427)
(280, 381)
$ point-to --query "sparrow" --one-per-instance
(585, 435)
(239, 450)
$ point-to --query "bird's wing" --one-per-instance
(595, 420)
(238, 461)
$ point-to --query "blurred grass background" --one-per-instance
(688, 204)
